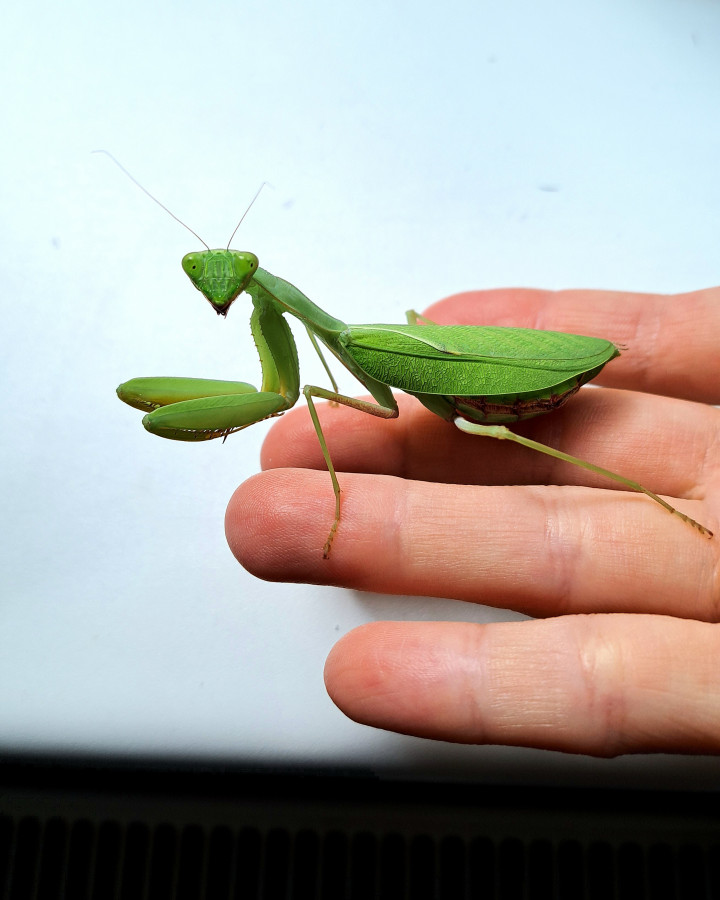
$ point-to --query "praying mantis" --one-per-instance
(479, 378)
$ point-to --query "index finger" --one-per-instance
(669, 342)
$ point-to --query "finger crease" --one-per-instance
(562, 546)
(601, 664)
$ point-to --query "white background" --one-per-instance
(415, 149)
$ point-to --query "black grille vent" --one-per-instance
(323, 841)
(59, 859)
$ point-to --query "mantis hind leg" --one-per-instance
(374, 409)
(500, 432)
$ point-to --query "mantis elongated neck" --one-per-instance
(268, 287)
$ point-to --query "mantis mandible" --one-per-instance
(477, 377)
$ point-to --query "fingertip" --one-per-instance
(394, 675)
(277, 524)
(349, 658)
(357, 673)
(341, 665)
(245, 521)
(269, 525)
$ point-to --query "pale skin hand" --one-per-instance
(624, 656)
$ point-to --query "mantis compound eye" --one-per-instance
(192, 264)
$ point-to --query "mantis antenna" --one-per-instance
(265, 183)
(170, 212)
(146, 191)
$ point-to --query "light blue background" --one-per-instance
(415, 150)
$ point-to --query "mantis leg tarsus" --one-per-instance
(500, 432)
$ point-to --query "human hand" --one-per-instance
(623, 656)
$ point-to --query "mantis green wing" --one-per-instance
(487, 373)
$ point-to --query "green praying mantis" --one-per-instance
(477, 377)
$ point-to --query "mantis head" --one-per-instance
(220, 275)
